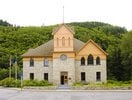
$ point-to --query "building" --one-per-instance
(65, 60)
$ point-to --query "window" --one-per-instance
(63, 57)
(98, 76)
(63, 41)
(46, 76)
(82, 61)
(82, 76)
(31, 76)
(90, 60)
(31, 62)
(46, 62)
(69, 41)
(57, 42)
(98, 61)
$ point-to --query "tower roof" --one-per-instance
(71, 29)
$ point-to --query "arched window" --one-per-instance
(63, 41)
(69, 41)
(57, 40)
(46, 62)
(31, 62)
(90, 60)
(98, 61)
(82, 61)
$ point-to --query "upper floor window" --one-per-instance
(90, 60)
(98, 61)
(69, 41)
(46, 62)
(63, 41)
(63, 57)
(82, 61)
(31, 62)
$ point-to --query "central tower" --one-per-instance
(63, 38)
(63, 55)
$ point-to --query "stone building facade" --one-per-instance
(65, 60)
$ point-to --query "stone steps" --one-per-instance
(63, 87)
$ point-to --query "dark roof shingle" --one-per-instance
(48, 48)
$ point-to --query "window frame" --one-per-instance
(63, 41)
(31, 62)
(90, 60)
(98, 76)
(98, 60)
(69, 41)
(83, 76)
(46, 62)
(82, 61)
(57, 40)
(46, 76)
(31, 76)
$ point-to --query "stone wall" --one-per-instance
(64, 66)
(90, 71)
(38, 69)
(71, 66)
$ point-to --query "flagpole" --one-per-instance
(16, 68)
(10, 67)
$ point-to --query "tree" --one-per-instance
(126, 51)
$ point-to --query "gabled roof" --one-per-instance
(95, 45)
(67, 27)
(48, 48)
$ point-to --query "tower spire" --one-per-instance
(63, 14)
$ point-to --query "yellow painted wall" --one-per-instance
(37, 58)
(90, 48)
(63, 32)
(58, 54)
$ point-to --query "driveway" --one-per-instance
(16, 94)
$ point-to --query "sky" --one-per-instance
(50, 12)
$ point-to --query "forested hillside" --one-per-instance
(115, 40)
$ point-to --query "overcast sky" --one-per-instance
(49, 12)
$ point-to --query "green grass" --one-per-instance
(109, 85)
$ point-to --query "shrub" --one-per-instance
(10, 82)
(78, 84)
(37, 83)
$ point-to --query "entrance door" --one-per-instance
(64, 78)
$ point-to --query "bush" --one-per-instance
(78, 84)
(37, 83)
(10, 82)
